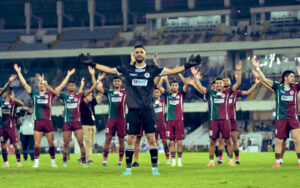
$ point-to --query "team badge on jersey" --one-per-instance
(75, 99)
(120, 94)
(147, 75)
(46, 96)
(292, 92)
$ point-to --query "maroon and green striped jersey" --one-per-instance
(174, 105)
(117, 103)
(232, 103)
(159, 109)
(71, 106)
(286, 101)
(218, 103)
(41, 105)
(9, 111)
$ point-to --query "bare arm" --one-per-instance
(20, 103)
(263, 83)
(192, 83)
(253, 87)
(49, 88)
(167, 83)
(238, 76)
(155, 59)
(11, 79)
(81, 85)
(261, 76)
(173, 71)
(98, 97)
(106, 69)
(87, 92)
(92, 73)
(159, 85)
(186, 84)
(65, 81)
(22, 79)
(197, 77)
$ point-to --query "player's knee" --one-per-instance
(66, 144)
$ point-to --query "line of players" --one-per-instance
(221, 98)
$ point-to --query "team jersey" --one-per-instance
(139, 85)
(232, 103)
(41, 105)
(175, 105)
(286, 101)
(159, 109)
(218, 103)
(9, 111)
(117, 102)
(71, 106)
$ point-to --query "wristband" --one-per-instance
(9, 82)
(257, 68)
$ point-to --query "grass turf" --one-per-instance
(255, 171)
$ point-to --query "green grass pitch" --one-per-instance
(255, 171)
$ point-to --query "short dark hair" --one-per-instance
(117, 77)
(286, 73)
(174, 81)
(71, 82)
(219, 79)
(213, 82)
(139, 46)
(9, 89)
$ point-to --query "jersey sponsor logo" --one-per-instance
(6, 103)
(139, 82)
(157, 110)
(174, 102)
(287, 98)
(42, 101)
(9, 106)
(147, 75)
(177, 97)
(116, 99)
(133, 74)
(6, 111)
(72, 105)
(140, 70)
(282, 91)
(218, 101)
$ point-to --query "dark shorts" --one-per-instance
(161, 130)
(219, 126)
(9, 133)
(233, 125)
(134, 118)
(175, 130)
(43, 125)
(115, 125)
(140, 135)
(72, 126)
(283, 127)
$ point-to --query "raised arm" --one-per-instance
(20, 103)
(159, 85)
(238, 76)
(81, 85)
(6, 86)
(155, 59)
(261, 76)
(263, 83)
(186, 84)
(87, 60)
(22, 79)
(87, 92)
(41, 78)
(197, 78)
(92, 73)
(191, 82)
(193, 61)
(132, 59)
(65, 81)
(253, 87)
(100, 87)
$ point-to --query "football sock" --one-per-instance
(105, 154)
(129, 153)
(236, 153)
(298, 155)
(121, 154)
(277, 157)
(154, 156)
(65, 157)
(4, 154)
(52, 152)
(211, 158)
(220, 155)
(36, 152)
(167, 151)
(18, 155)
(173, 154)
(179, 154)
(83, 157)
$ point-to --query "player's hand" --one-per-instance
(71, 72)
(132, 59)
(155, 59)
(40, 77)
(194, 70)
(298, 70)
(255, 74)
(12, 77)
(101, 76)
(255, 62)
(257, 81)
(239, 66)
(193, 61)
(82, 81)
(190, 80)
(17, 68)
(165, 77)
(91, 70)
(86, 60)
(198, 75)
